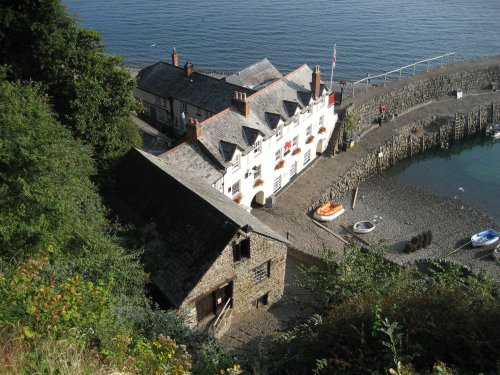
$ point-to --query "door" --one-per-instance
(222, 295)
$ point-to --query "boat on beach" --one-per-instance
(328, 211)
(364, 226)
(485, 238)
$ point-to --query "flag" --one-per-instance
(334, 55)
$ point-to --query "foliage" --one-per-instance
(350, 122)
(372, 317)
(88, 89)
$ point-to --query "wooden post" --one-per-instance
(479, 116)
(492, 113)
(392, 151)
(423, 142)
(411, 146)
(355, 196)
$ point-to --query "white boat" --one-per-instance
(485, 238)
(328, 211)
(493, 130)
(364, 226)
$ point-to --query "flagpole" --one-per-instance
(333, 65)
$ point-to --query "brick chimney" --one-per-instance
(193, 130)
(188, 69)
(175, 57)
(316, 82)
(241, 103)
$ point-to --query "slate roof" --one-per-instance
(195, 220)
(166, 80)
(281, 98)
(253, 76)
(195, 161)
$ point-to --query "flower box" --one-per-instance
(296, 151)
(238, 198)
(310, 139)
(321, 130)
(280, 164)
(258, 182)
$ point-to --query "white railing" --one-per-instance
(220, 319)
(369, 77)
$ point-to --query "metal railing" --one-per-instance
(367, 80)
(221, 316)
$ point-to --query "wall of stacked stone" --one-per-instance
(418, 92)
(413, 138)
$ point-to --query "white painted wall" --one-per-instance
(266, 158)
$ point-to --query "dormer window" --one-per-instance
(258, 147)
(237, 162)
(279, 133)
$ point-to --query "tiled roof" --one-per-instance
(166, 80)
(195, 220)
(253, 76)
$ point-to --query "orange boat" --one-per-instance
(328, 211)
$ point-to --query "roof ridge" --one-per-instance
(276, 81)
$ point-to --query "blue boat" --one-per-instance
(485, 238)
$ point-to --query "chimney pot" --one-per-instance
(175, 57)
(316, 82)
(188, 69)
(193, 130)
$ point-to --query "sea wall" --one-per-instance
(412, 92)
(413, 138)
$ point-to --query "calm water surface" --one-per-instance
(469, 171)
(372, 36)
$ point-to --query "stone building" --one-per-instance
(209, 258)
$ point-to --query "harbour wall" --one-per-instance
(423, 134)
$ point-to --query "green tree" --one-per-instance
(89, 90)
(374, 317)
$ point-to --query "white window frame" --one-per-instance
(258, 147)
(236, 188)
(257, 171)
(277, 155)
(308, 130)
(307, 157)
(295, 141)
(262, 272)
(279, 133)
(321, 120)
(184, 107)
(277, 184)
(237, 162)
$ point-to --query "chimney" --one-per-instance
(188, 69)
(175, 58)
(241, 103)
(316, 82)
(193, 130)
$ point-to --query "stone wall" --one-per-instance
(424, 88)
(413, 138)
(245, 291)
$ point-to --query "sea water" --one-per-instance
(371, 36)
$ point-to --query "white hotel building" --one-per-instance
(255, 147)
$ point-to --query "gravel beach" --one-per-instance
(399, 212)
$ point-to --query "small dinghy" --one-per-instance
(365, 226)
(485, 238)
(328, 211)
(493, 130)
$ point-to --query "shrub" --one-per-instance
(296, 151)
(321, 130)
